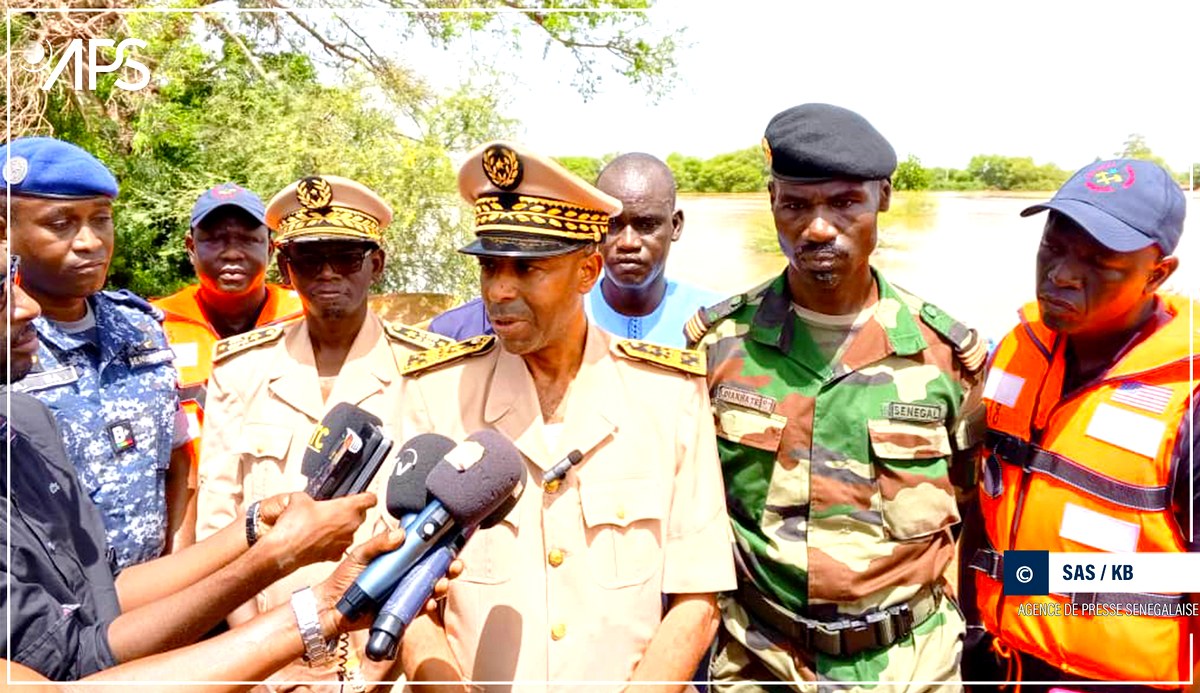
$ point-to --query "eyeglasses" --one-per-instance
(343, 262)
(13, 276)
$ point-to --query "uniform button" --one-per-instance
(559, 631)
(555, 558)
(551, 486)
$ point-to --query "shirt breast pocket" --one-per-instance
(264, 449)
(750, 428)
(912, 465)
(623, 527)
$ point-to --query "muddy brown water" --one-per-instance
(970, 253)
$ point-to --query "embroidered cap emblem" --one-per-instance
(1109, 177)
(314, 192)
(503, 167)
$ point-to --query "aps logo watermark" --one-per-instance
(38, 59)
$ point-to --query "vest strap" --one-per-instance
(196, 393)
(1032, 458)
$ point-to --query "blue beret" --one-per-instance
(46, 167)
(816, 142)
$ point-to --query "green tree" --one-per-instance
(248, 98)
(1135, 147)
(586, 167)
(911, 175)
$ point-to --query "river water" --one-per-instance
(970, 253)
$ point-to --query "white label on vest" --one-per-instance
(186, 354)
(1098, 530)
(1003, 387)
(1125, 429)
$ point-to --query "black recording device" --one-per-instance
(344, 452)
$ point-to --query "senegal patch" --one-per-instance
(745, 398)
(432, 358)
(684, 360)
(911, 411)
(241, 342)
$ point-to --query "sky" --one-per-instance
(1063, 81)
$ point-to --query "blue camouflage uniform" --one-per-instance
(115, 401)
(111, 384)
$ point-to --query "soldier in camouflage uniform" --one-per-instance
(103, 367)
(842, 406)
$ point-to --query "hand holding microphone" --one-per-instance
(467, 485)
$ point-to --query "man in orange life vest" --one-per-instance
(1088, 439)
(230, 246)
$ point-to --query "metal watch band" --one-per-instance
(317, 651)
(252, 524)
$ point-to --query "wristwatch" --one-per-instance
(317, 650)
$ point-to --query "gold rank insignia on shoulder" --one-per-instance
(416, 337)
(685, 360)
(241, 342)
(429, 359)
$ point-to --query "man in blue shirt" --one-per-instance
(634, 299)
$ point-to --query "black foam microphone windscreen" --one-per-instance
(471, 491)
(406, 493)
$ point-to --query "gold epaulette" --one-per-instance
(429, 359)
(240, 342)
(416, 337)
(685, 360)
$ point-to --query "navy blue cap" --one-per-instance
(46, 167)
(816, 142)
(229, 194)
(1125, 204)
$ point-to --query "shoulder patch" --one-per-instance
(128, 298)
(429, 359)
(241, 342)
(416, 337)
(685, 360)
(969, 348)
(696, 327)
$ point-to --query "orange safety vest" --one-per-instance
(1092, 472)
(192, 338)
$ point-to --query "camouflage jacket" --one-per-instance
(115, 405)
(837, 474)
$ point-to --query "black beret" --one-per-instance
(816, 141)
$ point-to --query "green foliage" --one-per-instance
(998, 172)
(1135, 147)
(248, 98)
(911, 175)
(733, 172)
(586, 167)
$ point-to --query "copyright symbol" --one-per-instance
(1024, 574)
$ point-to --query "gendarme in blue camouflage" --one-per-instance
(111, 387)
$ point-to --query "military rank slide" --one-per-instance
(1102, 584)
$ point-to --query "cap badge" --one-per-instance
(225, 191)
(766, 150)
(314, 192)
(15, 170)
(1109, 177)
(503, 167)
